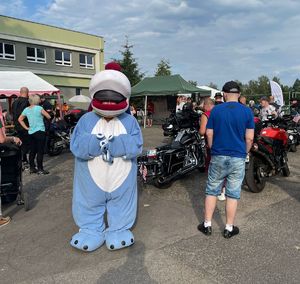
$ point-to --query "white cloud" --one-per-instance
(205, 41)
(12, 7)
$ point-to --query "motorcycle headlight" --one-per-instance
(291, 137)
(170, 127)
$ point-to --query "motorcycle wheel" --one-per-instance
(53, 150)
(160, 184)
(293, 148)
(285, 168)
(254, 181)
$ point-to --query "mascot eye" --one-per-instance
(108, 95)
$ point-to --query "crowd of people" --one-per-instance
(226, 149)
(31, 119)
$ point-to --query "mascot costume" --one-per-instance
(105, 144)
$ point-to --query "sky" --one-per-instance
(204, 41)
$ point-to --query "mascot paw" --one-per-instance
(119, 240)
(87, 241)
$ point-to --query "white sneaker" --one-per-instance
(222, 196)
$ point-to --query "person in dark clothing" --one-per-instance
(218, 98)
(17, 108)
(295, 106)
(47, 106)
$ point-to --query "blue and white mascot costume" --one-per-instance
(106, 143)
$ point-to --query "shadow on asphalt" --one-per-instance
(132, 271)
(196, 193)
(34, 190)
(292, 188)
(34, 185)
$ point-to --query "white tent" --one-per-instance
(80, 99)
(212, 90)
(12, 81)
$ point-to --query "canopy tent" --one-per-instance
(12, 81)
(163, 86)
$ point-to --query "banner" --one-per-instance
(277, 93)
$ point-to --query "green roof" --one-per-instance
(165, 85)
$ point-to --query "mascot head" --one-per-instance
(110, 92)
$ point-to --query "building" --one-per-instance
(66, 59)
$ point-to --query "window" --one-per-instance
(63, 58)
(86, 61)
(7, 51)
(35, 54)
(78, 91)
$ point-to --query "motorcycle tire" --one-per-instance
(285, 169)
(163, 185)
(54, 151)
(293, 148)
(255, 184)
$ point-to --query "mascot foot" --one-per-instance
(119, 240)
(87, 241)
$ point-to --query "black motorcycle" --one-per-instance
(60, 132)
(164, 164)
(187, 118)
(293, 130)
(59, 138)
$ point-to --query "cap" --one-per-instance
(231, 87)
(218, 95)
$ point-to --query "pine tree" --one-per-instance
(163, 68)
(129, 64)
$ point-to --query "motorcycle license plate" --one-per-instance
(151, 153)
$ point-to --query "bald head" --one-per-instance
(24, 92)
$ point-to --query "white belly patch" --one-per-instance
(109, 176)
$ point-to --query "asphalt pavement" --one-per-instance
(169, 249)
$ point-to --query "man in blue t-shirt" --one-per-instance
(230, 131)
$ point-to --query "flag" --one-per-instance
(143, 171)
(277, 93)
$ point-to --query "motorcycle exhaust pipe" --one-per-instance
(168, 179)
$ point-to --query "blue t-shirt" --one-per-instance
(35, 119)
(229, 122)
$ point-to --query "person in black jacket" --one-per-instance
(17, 108)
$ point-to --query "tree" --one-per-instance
(296, 86)
(193, 82)
(129, 64)
(163, 68)
(277, 80)
(213, 85)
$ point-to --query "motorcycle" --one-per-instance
(61, 131)
(268, 155)
(164, 164)
(59, 139)
(187, 118)
(293, 131)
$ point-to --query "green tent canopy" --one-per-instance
(165, 85)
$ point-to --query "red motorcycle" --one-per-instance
(268, 155)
